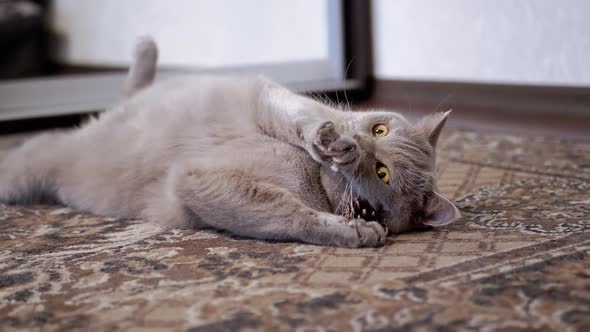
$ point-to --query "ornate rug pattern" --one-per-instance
(518, 260)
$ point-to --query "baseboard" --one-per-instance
(44, 123)
(573, 101)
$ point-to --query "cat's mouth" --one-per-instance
(360, 208)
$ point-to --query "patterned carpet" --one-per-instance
(518, 260)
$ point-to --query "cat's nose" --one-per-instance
(359, 138)
(364, 142)
(343, 145)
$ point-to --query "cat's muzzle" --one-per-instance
(360, 208)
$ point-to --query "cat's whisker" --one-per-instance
(348, 107)
(422, 178)
(337, 98)
(351, 202)
(342, 204)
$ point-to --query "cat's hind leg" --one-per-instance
(143, 69)
(27, 173)
(233, 200)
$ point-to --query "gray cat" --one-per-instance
(243, 155)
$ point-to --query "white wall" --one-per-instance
(540, 42)
(192, 33)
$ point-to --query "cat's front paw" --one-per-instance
(332, 148)
(369, 233)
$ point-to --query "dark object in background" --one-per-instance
(23, 39)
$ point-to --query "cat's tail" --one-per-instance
(27, 173)
(143, 69)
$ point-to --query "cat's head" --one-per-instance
(395, 171)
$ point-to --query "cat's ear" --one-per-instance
(433, 125)
(440, 211)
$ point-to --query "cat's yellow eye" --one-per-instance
(383, 173)
(380, 130)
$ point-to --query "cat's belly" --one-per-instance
(111, 165)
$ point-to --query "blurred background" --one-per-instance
(498, 61)
(81, 35)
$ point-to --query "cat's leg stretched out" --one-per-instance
(258, 209)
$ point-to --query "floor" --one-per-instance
(519, 259)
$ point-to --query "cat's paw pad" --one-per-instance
(369, 233)
(333, 148)
(326, 135)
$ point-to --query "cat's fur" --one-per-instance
(244, 155)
